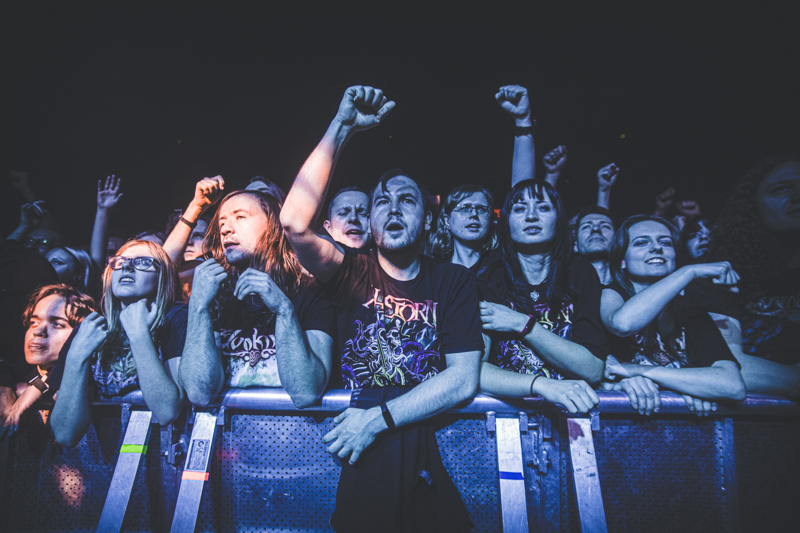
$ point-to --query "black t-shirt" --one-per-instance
(771, 324)
(22, 271)
(715, 298)
(395, 332)
(249, 351)
(698, 341)
(578, 320)
(110, 380)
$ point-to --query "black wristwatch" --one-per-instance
(40, 384)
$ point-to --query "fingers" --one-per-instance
(385, 109)
(653, 393)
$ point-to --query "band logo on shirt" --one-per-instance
(404, 308)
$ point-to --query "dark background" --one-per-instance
(162, 97)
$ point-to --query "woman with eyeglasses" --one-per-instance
(136, 343)
(544, 314)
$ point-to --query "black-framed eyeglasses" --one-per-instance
(467, 209)
(142, 263)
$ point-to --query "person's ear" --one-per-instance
(575, 247)
(327, 225)
(446, 219)
(622, 264)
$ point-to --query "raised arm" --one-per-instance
(201, 374)
(514, 101)
(361, 108)
(357, 428)
(554, 162)
(31, 217)
(606, 177)
(207, 192)
(626, 318)
(107, 197)
(72, 412)
(161, 394)
(304, 358)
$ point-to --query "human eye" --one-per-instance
(640, 242)
(518, 208)
(666, 242)
(545, 208)
(58, 324)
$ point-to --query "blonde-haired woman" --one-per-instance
(136, 343)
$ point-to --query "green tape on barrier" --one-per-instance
(134, 448)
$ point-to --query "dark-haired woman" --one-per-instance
(659, 334)
(695, 236)
(544, 319)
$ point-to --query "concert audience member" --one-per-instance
(544, 320)
(75, 268)
(554, 162)
(695, 236)
(107, 197)
(661, 338)
(52, 313)
(255, 319)
(136, 344)
(405, 320)
(758, 231)
(593, 239)
(22, 271)
(190, 227)
(194, 245)
(262, 184)
(348, 218)
(151, 236)
(514, 101)
(606, 178)
(465, 231)
(20, 180)
(664, 202)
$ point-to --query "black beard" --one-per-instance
(238, 259)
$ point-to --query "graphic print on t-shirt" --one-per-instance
(518, 357)
(397, 345)
(661, 357)
(249, 358)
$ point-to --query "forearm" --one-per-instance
(303, 375)
(568, 357)
(175, 244)
(307, 194)
(201, 373)
(523, 165)
(710, 383)
(161, 394)
(644, 307)
(504, 383)
(99, 246)
(604, 198)
(71, 414)
(20, 233)
(761, 375)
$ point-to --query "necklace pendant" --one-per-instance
(535, 295)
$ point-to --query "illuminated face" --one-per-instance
(467, 223)
(194, 246)
(130, 284)
(47, 331)
(349, 222)
(697, 243)
(241, 225)
(778, 198)
(68, 270)
(651, 252)
(532, 221)
(595, 234)
(398, 216)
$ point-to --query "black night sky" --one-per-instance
(162, 97)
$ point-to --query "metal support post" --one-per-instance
(584, 472)
(133, 449)
(730, 486)
(513, 503)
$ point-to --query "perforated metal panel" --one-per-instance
(657, 475)
(768, 474)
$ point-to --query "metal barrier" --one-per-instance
(519, 464)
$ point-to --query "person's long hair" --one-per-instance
(115, 353)
(89, 281)
(664, 324)
(558, 292)
(273, 255)
(440, 241)
(77, 305)
(757, 254)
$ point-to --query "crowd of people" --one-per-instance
(413, 306)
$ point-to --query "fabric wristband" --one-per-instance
(525, 130)
(190, 224)
(528, 326)
(387, 416)
(537, 376)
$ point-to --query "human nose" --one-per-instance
(225, 229)
(40, 330)
(596, 229)
(394, 206)
(531, 213)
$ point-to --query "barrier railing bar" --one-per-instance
(611, 402)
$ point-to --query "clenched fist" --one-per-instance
(363, 107)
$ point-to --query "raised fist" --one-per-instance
(91, 334)
(108, 195)
(606, 176)
(664, 201)
(514, 101)
(208, 277)
(721, 272)
(555, 159)
(32, 214)
(688, 208)
(363, 107)
(208, 191)
(18, 179)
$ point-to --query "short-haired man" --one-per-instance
(595, 234)
(348, 218)
(404, 320)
